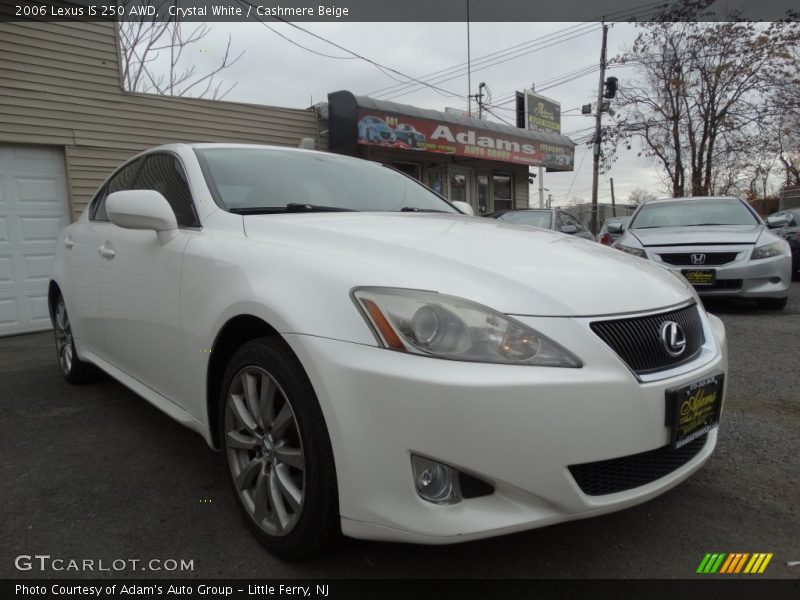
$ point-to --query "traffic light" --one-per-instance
(611, 87)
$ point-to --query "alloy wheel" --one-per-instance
(63, 337)
(265, 451)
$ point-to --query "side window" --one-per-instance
(573, 221)
(121, 181)
(164, 173)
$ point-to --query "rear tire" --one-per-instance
(278, 452)
(773, 303)
(75, 370)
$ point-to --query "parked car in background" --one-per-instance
(546, 218)
(408, 135)
(372, 362)
(786, 224)
(720, 245)
(375, 130)
(606, 237)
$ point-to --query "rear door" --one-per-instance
(140, 282)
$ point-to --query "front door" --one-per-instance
(139, 282)
(460, 186)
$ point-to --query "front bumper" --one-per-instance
(742, 278)
(518, 428)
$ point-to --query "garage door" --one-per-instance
(33, 209)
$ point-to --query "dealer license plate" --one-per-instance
(700, 277)
(693, 410)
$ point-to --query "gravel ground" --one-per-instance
(95, 472)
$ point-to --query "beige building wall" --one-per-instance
(60, 86)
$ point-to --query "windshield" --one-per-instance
(253, 178)
(537, 218)
(688, 213)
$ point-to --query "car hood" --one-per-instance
(695, 236)
(515, 269)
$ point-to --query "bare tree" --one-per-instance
(154, 59)
(704, 89)
(640, 196)
(787, 123)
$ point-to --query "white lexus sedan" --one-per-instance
(371, 361)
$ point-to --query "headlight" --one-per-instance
(631, 250)
(773, 249)
(433, 324)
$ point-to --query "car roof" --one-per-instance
(686, 198)
(207, 145)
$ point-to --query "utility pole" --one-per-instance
(613, 204)
(540, 172)
(541, 187)
(469, 69)
(479, 99)
(598, 131)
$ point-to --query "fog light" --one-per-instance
(774, 279)
(435, 482)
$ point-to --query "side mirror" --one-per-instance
(614, 227)
(464, 207)
(779, 220)
(140, 209)
(569, 229)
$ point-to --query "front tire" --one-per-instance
(75, 370)
(773, 303)
(278, 451)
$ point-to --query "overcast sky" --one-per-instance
(273, 71)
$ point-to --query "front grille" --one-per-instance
(628, 472)
(637, 340)
(711, 258)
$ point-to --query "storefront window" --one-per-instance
(501, 187)
(407, 168)
(435, 181)
(484, 205)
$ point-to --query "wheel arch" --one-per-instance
(234, 334)
(53, 292)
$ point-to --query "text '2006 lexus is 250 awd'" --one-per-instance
(374, 363)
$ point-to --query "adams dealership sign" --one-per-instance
(427, 135)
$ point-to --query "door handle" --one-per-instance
(68, 242)
(106, 251)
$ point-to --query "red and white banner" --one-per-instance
(400, 131)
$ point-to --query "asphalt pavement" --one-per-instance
(95, 472)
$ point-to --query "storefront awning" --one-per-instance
(362, 121)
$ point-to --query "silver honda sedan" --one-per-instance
(720, 245)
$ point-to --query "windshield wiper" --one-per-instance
(292, 207)
(415, 209)
(295, 207)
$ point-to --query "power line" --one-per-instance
(379, 66)
(461, 72)
(574, 177)
(460, 68)
(520, 49)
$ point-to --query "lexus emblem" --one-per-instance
(673, 338)
(698, 259)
